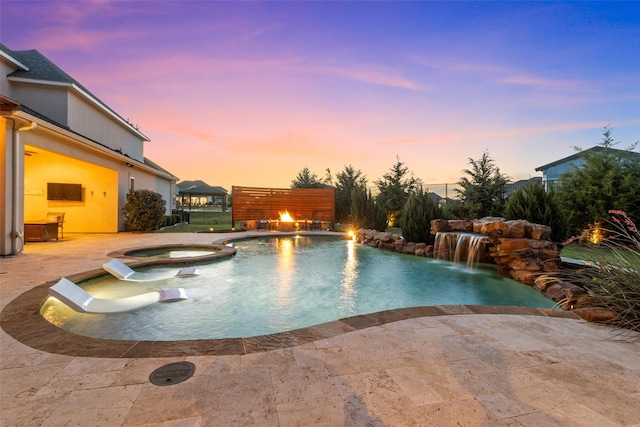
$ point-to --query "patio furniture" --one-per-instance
(57, 217)
(81, 301)
(316, 221)
(124, 272)
(263, 221)
(40, 230)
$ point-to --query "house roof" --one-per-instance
(38, 67)
(34, 66)
(200, 188)
(534, 179)
(155, 166)
(580, 154)
(435, 197)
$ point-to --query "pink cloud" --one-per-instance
(68, 26)
(478, 133)
(294, 65)
(557, 127)
(537, 82)
(69, 14)
(367, 76)
(427, 140)
(68, 38)
(450, 64)
(505, 75)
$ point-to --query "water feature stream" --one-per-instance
(459, 247)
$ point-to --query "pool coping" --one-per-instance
(21, 319)
(223, 251)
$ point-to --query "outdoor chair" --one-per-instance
(316, 221)
(124, 272)
(81, 301)
(59, 218)
(263, 221)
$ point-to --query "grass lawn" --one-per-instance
(601, 254)
(203, 221)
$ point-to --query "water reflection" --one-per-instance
(349, 277)
(285, 271)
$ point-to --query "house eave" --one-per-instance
(93, 100)
(89, 144)
(13, 61)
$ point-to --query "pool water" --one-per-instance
(277, 284)
(172, 252)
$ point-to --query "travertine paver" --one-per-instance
(458, 369)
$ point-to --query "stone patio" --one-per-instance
(434, 366)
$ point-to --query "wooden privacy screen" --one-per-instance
(252, 203)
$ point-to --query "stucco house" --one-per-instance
(552, 172)
(58, 137)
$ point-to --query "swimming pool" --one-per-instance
(276, 284)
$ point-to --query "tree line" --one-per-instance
(607, 179)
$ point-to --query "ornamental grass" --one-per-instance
(614, 285)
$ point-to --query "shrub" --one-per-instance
(534, 204)
(170, 220)
(177, 218)
(416, 217)
(616, 286)
(453, 209)
(144, 211)
(367, 211)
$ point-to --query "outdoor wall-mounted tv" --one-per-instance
(60, 191)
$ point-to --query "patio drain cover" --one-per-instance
(173, 373)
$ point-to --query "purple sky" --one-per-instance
(250, 93)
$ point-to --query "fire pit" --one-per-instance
(287, 223)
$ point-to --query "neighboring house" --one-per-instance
(439, 200)
(436, 198)
(511, 187)
(54, 131)
(552, 172)
(201, 193)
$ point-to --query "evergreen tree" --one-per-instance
(395, 187)
(328, 179)
(366, 210)
(346, 181)
(607, 179)
(482, 193)
(307, 179)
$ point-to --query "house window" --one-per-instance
(132, 184)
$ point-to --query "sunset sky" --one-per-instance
(250, 93)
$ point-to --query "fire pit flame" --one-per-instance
(285, 217)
